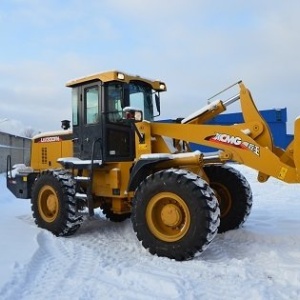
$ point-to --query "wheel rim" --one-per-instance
(224, 198)
(168, 217)
(48, 204)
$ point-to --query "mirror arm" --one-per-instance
(141, 136)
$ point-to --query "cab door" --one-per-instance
(118, 136)
(87, 121)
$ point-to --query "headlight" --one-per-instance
(162, 86)
(121, 76)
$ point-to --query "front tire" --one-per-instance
(234, 195)
(175, 214)
(53, 204)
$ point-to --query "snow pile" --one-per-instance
(104, 260)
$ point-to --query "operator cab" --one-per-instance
(98, 102)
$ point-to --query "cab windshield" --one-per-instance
(135, 94)
(140, 96)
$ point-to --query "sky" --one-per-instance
(197, 47)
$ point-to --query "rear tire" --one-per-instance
(175, 214)
(53, 204)
(234, 195)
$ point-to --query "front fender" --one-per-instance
(144, 167)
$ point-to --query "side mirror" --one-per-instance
(132, 114)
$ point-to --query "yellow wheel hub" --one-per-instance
(171, 215)
(48, 204)
(168, 217)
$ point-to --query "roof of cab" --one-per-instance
(117, 76)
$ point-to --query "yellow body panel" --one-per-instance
(112, 180)
(48, 147)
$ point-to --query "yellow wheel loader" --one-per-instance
(117, 158)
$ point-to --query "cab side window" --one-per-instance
(91, 96)
(75, 105)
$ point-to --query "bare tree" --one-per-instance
(29, 132)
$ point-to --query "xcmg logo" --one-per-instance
(227, 139)
(236, 141)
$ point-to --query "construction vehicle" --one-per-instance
(118, 159)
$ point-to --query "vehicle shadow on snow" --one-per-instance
(99, 224)
(245, 243)
(234, 244)
(241, 243)
(28, 219)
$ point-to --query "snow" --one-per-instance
(53, 133)
(171, 156)
(78, 161)
(19, 169)
(208, 107)
(104, 260)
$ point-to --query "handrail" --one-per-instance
(8, 167)
(91, 175)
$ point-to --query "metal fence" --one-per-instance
(16, 146)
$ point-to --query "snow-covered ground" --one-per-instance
(104, 260)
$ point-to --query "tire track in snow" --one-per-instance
(102, 259)
(55, 260)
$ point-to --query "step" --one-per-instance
(74, 162)
(81, 195)
(82, 178)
